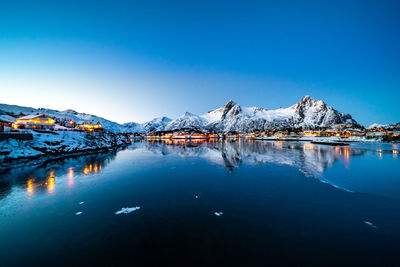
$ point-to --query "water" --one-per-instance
(201, 204)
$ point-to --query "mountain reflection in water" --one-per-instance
(202, 203)
(311, 159)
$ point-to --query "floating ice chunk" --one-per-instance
(126, 210)
(78, 213)
(370, 224)
(80, 203)
(218, 213)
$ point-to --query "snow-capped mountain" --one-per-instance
(155, 125)
(385, 126)
(132, 127)
(233, 117)
(186, 121)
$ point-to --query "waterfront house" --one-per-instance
(213, 136)
(198, 136)
(6, 123)
(167, 136)
(180, 135)
(309, 133)
(87, 126)
(280, 134)
(393, 133)
(375, 134)
(38, 121)
(70, 124)
(323, 133)
(357, 132)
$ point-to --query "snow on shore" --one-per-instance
(322, 139)
(56, 144)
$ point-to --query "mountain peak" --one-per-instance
(159, 120)
(188, 114)
(230, 103)
(228, 107)
(70, 111)
(308, 101)
(306, 98)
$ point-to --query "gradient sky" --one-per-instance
(133, 61)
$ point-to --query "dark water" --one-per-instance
(282, 203)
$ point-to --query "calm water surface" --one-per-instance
(279, 203)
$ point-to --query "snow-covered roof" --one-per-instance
(376, 125)
(60, 127)
(7, 118)
(30, 117)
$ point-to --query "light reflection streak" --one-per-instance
(30, 186)
(71, 176)
(92, 168)
(51, 182)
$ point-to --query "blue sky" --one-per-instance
(133, 61)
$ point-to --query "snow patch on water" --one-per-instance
(370, 224)
(126, 210)
(336, 186)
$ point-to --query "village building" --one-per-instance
(180, 135)
(198, 136)
(393, 133)
(70, 124)
(87, 126)
(309, 133)
(375, 134)
(38, 121)
(6, 123)
(280, 134)
(357, 132)
(167, 136)
(213, 136)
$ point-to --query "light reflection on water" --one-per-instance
(50, 181)
(45, 178)
(272, 187)
(309, 158)
(322, 162)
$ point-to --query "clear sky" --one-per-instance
(133, 61)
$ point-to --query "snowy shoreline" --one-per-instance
(352, 139)
(49, 146)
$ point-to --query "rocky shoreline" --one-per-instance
(48, 147)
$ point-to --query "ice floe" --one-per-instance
(370, 224)
(126, 210)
